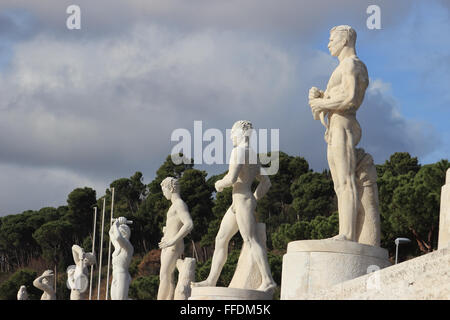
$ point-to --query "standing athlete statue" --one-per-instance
(339, 102)
(241, 215)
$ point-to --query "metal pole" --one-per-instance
(93, 252)
(55, 280)
(396, 253)
(101, 250)
(109, 248)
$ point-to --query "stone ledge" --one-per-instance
(225, 293)
(337, 246)
(423, 278)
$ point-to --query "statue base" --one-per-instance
(313, 265)
(225, 293)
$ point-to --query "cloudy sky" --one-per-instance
(85, 107)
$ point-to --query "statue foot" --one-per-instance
(340, 237)
(267, 287)
(205, 283)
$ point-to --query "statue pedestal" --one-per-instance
(225, 293)
(313, 265)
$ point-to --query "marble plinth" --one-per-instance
(225, 293)
(313, 265)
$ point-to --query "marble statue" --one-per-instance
(77, 275)
(178, 225)
(241, 215)
(338, 103)
(186, 274)
(310, 266)
(368, 217)
(22, 294)
(121, 258)
(444, 217)
(45, 283)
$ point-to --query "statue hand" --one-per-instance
(122, 220)
(165, 243)
(314, 93)
(48, 273)
(218, 185)
(316, 105)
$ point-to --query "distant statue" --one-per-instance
(77, 275)
(368, 218)
(22, 294)
(121, 258)
(45, 283)
(339, 103)
(241, 215)
(178, 225)
(186, 274)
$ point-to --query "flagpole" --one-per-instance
(109, 248)
(101, 250)
(93, 252)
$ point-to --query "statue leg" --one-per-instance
(245, 216)
(169, 258)
(341, 156)
(228, 228)
(120, 285)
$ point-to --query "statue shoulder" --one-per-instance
(353, 65)
(180, 204)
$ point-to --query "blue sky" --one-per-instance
(85, 107)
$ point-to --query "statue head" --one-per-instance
(125, 231)
(341, 37)
(241, 132)
(48, 275)
(169, 186)
(89, 259)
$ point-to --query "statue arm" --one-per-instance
(236, 161)
(42, 286)
(186, 220)
(343, 100)
(77, 253)
(263, 186)
(117, 236)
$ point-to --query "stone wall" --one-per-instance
(424, 277)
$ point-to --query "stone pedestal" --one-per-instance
(313, 265)
(444, 218)
(247, 275)
(224, 293)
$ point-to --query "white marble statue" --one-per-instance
(444, 217)
(77, 275)
(186, 274)
(45, 283)
(22, 294)
(178, 225)
(121, 258)
(241, 215)
(339, 102)
(368, 217)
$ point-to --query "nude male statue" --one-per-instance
(340, 101)
(78, 280)
(241, 215)
(45, 283)
(178, 225)
(121, 258)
